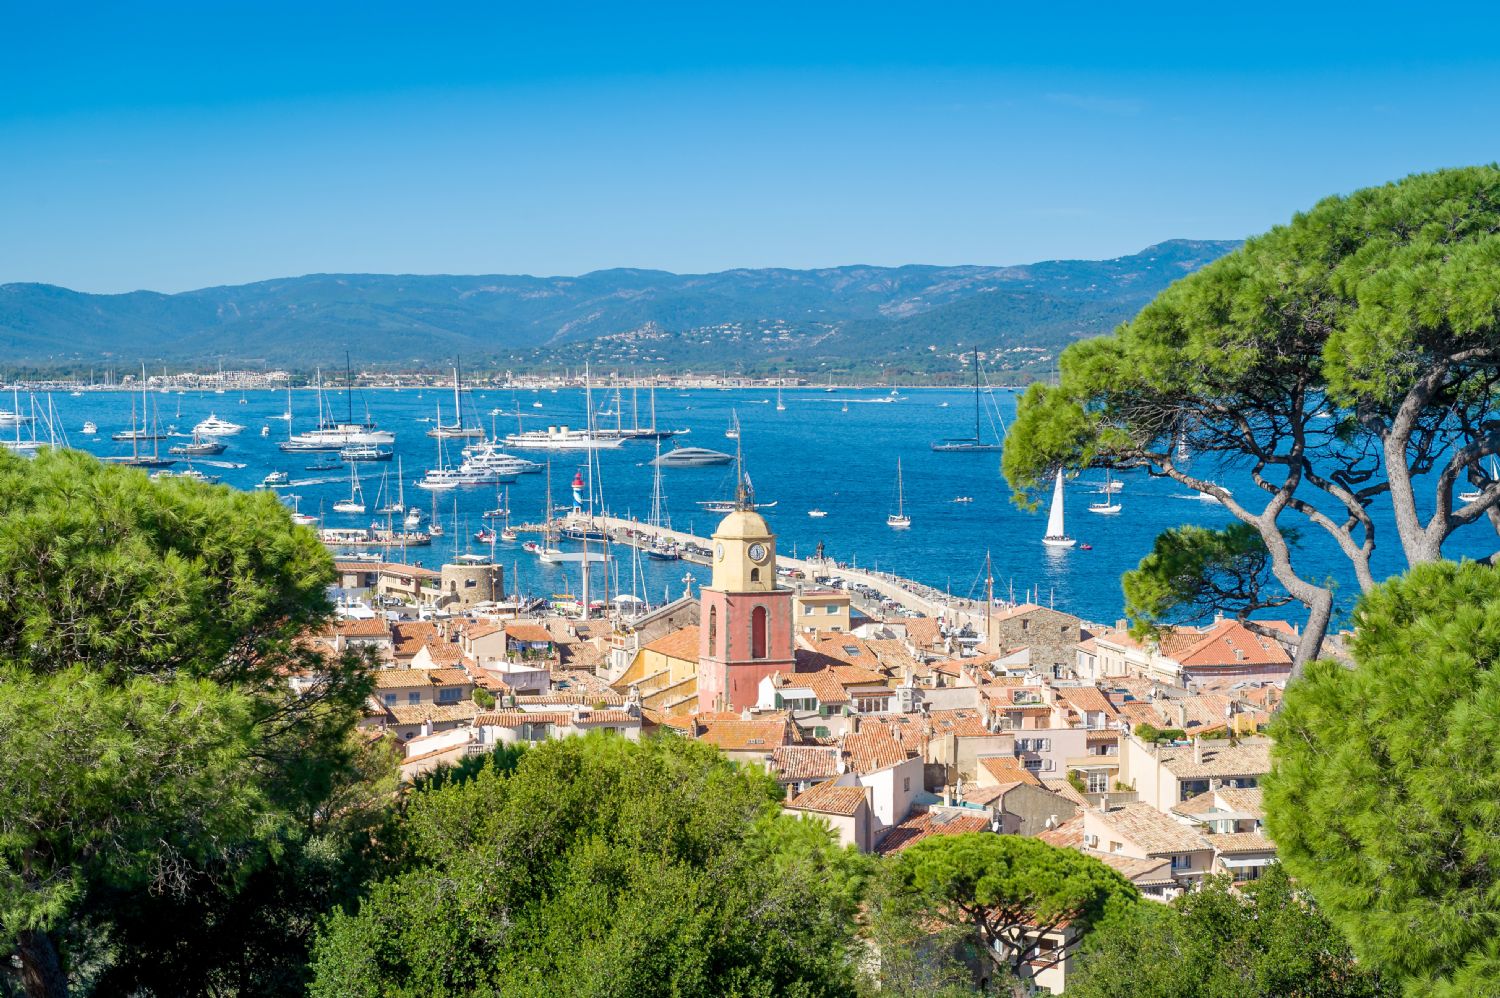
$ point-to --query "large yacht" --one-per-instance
(691, 457)
(560, 438)
(213, 426)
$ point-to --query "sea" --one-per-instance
(835, 451)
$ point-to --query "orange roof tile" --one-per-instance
(825, 798)
(1008, 769)
(805, 762)
(681, 644)
(872, 750)
(529, 632)
(926, 823)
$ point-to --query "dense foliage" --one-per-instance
(1264, 941)
(603, 866)
(157, 763)
(1383, 798)
(1347, 358)
(1010, 892)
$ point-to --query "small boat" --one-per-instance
(664, 554)
(817, 514)
(1085, 547)
(499, 513)
(1472, 494)
(414, 517)
(733, 433)
(963, 498)
(265, 431)
(356, 501)
(199, 447)
(508, 535)
(1210, 497)
(536, 405)
(899, 519)
(1107, 506)
(325, 465)
(531, 547)
(1057, 535)
(365, 452)
(484, 535)
(976, 443)
(780, 405)
(90, 428)
(274, 479)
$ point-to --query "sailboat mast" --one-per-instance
(349, 385)
(458, 412)
(976, 395)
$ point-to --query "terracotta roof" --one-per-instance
(680, 644)
(386, 568)
(987, 795)
(481, 630)
(852, 675)
(1151, 830)
(1234, 842)
(846, 648)
(586, 699)
(965, 722)
(926, 823)
(529, 632)
(373, 627)
(1139, 871)
(924, 632)
(449, 677)
(416, 713)
(1226, 643)
(1247, 800)
(1086, 698)
(1007, 769)
(516, 718)
(826, 798)
(746, 736)
(397, 679)
(805, 762)
(1143, 712)
(579, 681)
(1251, 757)
(411, 635)
(873, 749)
(444, 652)
(1067, 835)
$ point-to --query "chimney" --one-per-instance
(947, 795)
(427, 726)
(1197, 750)
(1104, 803)
(1182, 715)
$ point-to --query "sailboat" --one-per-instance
(968, 444)
(457, 429)
(899, 519)
(1107, 505)
(780, 405)
(1057, 535)
(356, 501)
(733, 433)
(1473, 494)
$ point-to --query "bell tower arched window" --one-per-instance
(758, 620)
(713, 630)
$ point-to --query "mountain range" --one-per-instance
(897, 319)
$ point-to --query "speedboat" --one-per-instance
(817, 513)
(213, 426)
(90, 428)
(963, 499)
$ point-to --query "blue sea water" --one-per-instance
(835, 451)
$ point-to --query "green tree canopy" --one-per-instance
(1010, 891)
(1382, 801)
(155, 750)
(603, 866)
(1338, 359)
(1264, 941)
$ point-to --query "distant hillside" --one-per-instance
(914, 318)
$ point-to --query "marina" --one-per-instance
(830, 475)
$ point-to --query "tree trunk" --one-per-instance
(1318, 614)
(41, 970)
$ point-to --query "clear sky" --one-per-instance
(173, 146)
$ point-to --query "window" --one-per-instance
(758, 623)
(906, 784)
(1181, 862)
(713, 630)
(1098, 783)
(413, 698)
(450, 694)
(831, 610)
(390, 699)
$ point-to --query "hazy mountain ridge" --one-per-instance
(748, 318)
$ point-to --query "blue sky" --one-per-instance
(173, 146)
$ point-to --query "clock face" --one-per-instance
(757, 552)
(719, 551)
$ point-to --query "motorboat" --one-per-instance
(692, 457)
(275, 479)
(817, 514)
(189, 474)
(365, 452)
(213, 426)
(90, 428)
(200, 446)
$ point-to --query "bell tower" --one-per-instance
(745, 624)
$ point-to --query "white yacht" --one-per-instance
(275, 479)
(213, 426)
(691, 457)
(560, 438)
(356, 501)
(90, 428)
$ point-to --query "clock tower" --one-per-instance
(745, 625)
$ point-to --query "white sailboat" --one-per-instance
(780, 405)
(1108, 505)
(356, 501)
(899, 519)
(1473, 494)
(733, 433)
(1057, 534)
